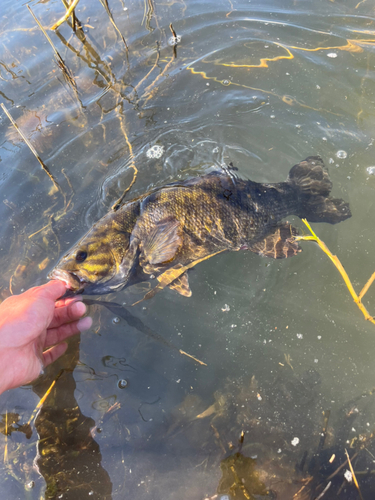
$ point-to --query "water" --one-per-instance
(259, 84)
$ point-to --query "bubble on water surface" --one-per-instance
(155, 152)
(371, 170)
(341, 154)
(122, 383)
(30, 485)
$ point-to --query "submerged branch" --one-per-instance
(106, 6)
(357, 298)
(119, 202)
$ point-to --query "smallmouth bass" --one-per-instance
(162, 233)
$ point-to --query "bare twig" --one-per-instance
(339, 266)
(353, 474)
(106, 6)
(341, 467)
(147, 93)
(148, 74)
(44, 397)
(60, 61)
(45, 168)
(118, 203)
(67, 14)
(324, 491)
(174, 41)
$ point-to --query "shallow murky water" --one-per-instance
(262, 85)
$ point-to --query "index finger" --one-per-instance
(52, 290)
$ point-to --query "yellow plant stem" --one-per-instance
(340, 268)
(73, 5)
(353, 474)
(38, 406)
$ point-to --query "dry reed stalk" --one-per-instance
(60, 61)
(106, 7)
(340, 268)
(67, 14)
(31, 147)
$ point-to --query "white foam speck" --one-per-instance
(155, 151)
(295, 441)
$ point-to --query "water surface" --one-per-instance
(262, 85)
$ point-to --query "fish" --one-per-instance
(161, 234)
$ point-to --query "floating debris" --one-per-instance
(332, 55)
(371, 170)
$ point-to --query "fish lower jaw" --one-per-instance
(73, 282)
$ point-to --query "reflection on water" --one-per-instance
(67, 455)
(289, 357)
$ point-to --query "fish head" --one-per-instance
(101, 262)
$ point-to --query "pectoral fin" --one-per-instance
(162, 243)
(278, 245)
(181, 285)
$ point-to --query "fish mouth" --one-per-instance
(74, 284)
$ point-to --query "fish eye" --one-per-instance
(81, 256)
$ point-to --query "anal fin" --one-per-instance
(280, 244)
(181, 285)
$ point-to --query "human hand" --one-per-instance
(31, 322)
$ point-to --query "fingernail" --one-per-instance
(84, 324)
(78, 308)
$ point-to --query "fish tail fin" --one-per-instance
(311, 180)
